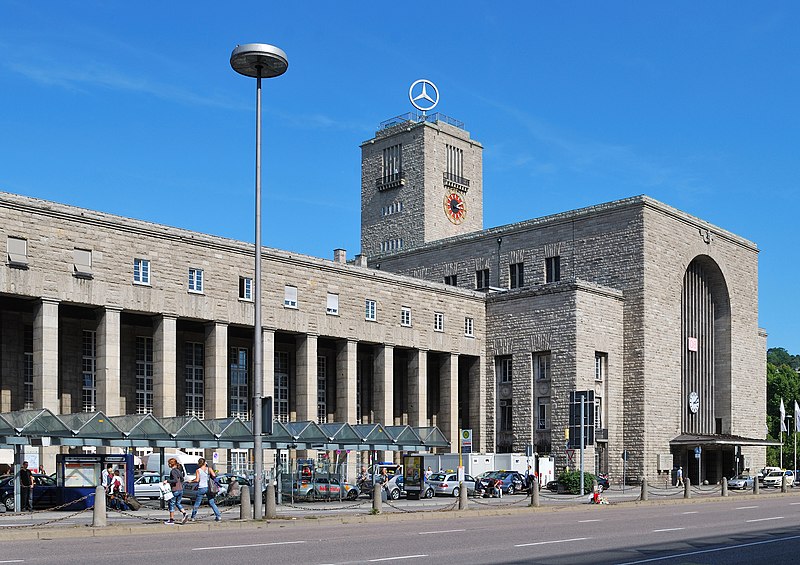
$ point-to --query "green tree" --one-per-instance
(783, 382)
(779, 356)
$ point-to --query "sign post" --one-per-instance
(697, 455)
(624, 466)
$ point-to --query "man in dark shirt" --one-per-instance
(26, 484)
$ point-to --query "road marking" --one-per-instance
(766, 519)
(669, 530)
(746, 507)
(548, 542)
(15, 525)
(396, 558)
(13, 561)
(247, 545)
(793, 503)
(702, 551)
(584, 521)
(441, 532)
(691, 512)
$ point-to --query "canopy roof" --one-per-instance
(37, 427)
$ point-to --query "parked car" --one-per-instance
(45, 492)
(224, 480)
(510, 481)
(766, 471)
(147, 485)
(742, 481)
(775, 478)
(447, 483)
(394, 488)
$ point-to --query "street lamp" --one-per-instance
(258, 60)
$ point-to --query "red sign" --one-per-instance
(570, 455)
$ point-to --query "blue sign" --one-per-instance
(697, 452)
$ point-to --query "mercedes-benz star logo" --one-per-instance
(418, 100)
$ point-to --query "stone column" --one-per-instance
(268, 387)
(306, 388)
(477, 403)
(418, 388)
(107, 377)
(165, 360)
(45, 355)
(215, 387)
(346, 363)
(383, 385)
(448, 399)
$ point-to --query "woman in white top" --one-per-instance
(201, 477)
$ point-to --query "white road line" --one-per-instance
(247, 545)
(702, 551)
(585, 521)
(440, 532)
(15, 525)
(793, 503)
(669, 530)
(396, 558)
(13, 561)
(691, 512)
(548, 542)
(766, 519)
(746, 507)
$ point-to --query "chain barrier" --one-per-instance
(46, 522)
(304, 509)
(563, 497)
(705, 490)
(653, 492)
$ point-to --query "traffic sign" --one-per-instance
(570, 456)
(466, 441)
(697, 452)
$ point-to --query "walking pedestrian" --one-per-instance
(175, 482)
(679, 477)
(201, 477)
(26, 484)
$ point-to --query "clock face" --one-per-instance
(694, 402)
(455, 208)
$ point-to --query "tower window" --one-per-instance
(552, 268)
(516, 273)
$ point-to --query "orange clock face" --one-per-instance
(455, 208)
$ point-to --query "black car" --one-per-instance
(45, 492)
(510, 481)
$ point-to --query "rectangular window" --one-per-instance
(452, 280)
(600, 365)
(194, 379)
(238, 399)
(281, 400)
(392, 161)
(438, 322)
(196, 280)
(482, 279)
(89, 371)
(469, 327)
(543, 413)
(455, 161)
(144, 375)
(505, 369)
(237, 461)
(322, 390)
(506, 416)
(516, 273)
(17, 251)
(332, 306)
(552, 268)
(290, 296)
(245, 288)
(27, 369)
(541, 365)
(370, 310)
(83, 263)
(405, 316)
(598, 412)
(141, 271)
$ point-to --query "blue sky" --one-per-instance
(132, 108)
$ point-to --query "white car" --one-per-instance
(775, 478)
(146, 486)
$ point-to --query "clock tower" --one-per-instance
(421, 180)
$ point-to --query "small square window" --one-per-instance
(83, 263)
(141, 271)
(482, 279)
(438, 322)
(245, 288)
(516, 272)
(552, 268)
(196, 280)
(469, 327)
(541, 365)
(290, 296)
(405, 316)
(17, 252)
(505, 366)
(370, 310)
(452, 280)
(332, 306)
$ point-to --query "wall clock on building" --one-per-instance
(455, 208)
(694, 402)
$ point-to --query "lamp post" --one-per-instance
(258, 60)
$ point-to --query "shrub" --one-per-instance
(572, 481)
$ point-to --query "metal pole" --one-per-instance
(583, 431)
(258, 452)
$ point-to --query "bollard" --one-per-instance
(784, 484)
(644, 496)
(755, 485)
(724, 489)
(535, 494)
(99, 517)
(687, 488)
(376, 498)
(272, 508)
(463, 501)
(245, 508)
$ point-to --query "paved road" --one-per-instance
(738, 530)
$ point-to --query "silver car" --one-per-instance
(447, 483)
(743, 482)
(146, 486)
